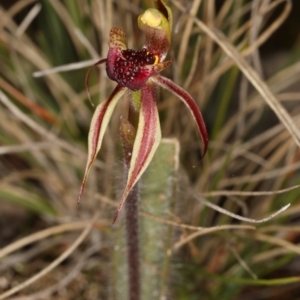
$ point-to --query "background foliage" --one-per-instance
(252, 156)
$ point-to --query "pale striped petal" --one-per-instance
(98, 126)
(147, 139)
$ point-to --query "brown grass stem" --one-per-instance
(55, 263)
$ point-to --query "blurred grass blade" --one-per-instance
(25, 199)
(158, 197)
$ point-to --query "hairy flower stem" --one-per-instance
(127, 134)
(132, 234)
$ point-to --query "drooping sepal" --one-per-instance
(147, 139)
(189, 102)
(98, 126)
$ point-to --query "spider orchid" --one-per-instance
(138, 73)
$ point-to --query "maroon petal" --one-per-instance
(98, 126)
(117, 43)
(189, 102)
(147, 139)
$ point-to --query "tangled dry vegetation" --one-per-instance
(49, 246)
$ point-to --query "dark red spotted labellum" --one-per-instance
(132, 68)
(129, 66)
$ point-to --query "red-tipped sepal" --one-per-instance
(189, 102)
(98, 126)
(147, 139)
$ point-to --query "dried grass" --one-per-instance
(252, 168)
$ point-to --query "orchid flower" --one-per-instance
(138, 73)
